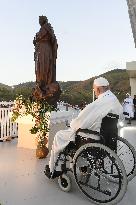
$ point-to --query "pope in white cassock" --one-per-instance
(89, 118)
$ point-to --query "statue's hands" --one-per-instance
(36, 38)
(34, 42)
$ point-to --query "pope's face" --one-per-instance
(96, 90)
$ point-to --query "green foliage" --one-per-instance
(6, 94)
(74, 92)
(39, 110)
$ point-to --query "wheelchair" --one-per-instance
(99, 163)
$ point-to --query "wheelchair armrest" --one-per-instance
(87, 131)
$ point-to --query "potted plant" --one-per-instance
(40, 111)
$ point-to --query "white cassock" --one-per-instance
(89, 118)
(128, 107)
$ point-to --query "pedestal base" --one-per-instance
(42, 152)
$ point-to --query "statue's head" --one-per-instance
(42, 20)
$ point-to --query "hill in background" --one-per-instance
(82, 91)
(74, 92)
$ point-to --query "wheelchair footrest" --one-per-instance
(51, 175)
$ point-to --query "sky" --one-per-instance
(93, 37)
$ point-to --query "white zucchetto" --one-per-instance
(101, 82)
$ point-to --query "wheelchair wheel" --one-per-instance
(64, 182)
(93, 165)
(127, 154)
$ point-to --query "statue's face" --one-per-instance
(42, 21)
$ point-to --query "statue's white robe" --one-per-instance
(90, 117)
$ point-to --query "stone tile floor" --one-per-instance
(22, 181)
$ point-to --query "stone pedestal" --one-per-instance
(57, 122)
(25, 138)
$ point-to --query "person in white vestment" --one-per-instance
(89, 118)
(128, 108)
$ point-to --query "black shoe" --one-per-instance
(56, 174)
(47, 171)
(51, 175)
